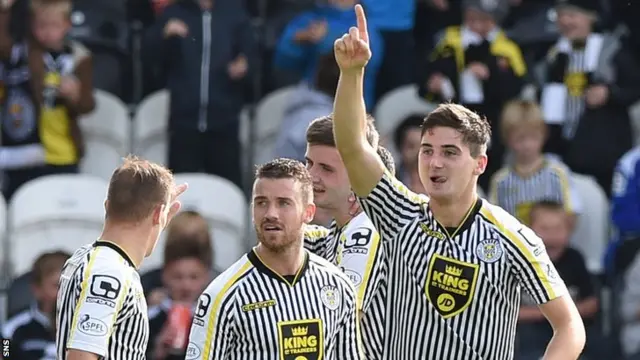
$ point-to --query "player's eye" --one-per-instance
(427, 151)
(327, 169)
(283, 203)
(449, 153)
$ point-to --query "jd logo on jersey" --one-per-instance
(450, 285)
(301, 339)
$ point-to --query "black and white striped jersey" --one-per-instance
(357, 250)
(101, 306)
(455, 293)
(250, 312)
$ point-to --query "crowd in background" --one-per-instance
(556, 80)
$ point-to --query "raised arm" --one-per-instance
(363, 165)
(385, 200)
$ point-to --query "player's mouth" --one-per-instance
(271, 227)
(438, 179)
(318, 191)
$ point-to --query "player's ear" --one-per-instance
(481, 164)
(309, 213)
(157, 214)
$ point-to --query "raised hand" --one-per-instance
(352, 50)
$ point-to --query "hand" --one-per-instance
(442, 5)
(175, 204)
(175, 27)
(435, 83)
(164, 341)
(70, 88)
(316, 31)
(597, 95)
(352, 50)
(479, 70)
(237, 69)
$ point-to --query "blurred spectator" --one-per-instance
(530, 176)
(206, 50)
(186, 273)
(32, 331)
(551, 222)
(187, 224)
(588, 81)
(311, 35)
(48, 83)
(395, 21)
(309, 102)
(630, 312)
(625, 211)
(478, 66)
(407, 138)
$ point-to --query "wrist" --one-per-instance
(355, 72)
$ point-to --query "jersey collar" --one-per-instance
(466, 223)
(117, 249)
(265, 269)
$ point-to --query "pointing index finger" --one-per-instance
(362, 23)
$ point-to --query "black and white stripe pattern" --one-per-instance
(243, 314)
(575, 102)
(101, 306)
(516, 194)
(505, 255)
(322, 241)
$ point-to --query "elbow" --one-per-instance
(575, 334)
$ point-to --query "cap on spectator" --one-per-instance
(498, 9)
(590, 6)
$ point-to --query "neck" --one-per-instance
(453, 213)
(45, 308)
(132, 240)
(341, 214)
(528, 165)
(286, 262)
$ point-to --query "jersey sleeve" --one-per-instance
(213, 332)
(391, 205)
(104, 288)
(348, 338)
(362, 260)
(316, 239)
(532, 266)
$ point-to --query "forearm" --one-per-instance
(530, 314)
(567, 342)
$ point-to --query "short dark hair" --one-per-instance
(475, 129)
(411, 121)
(284, 168)
(320, 132)
(546, 204)
(327, 74)
(187, 247)
(387, 159)
(48, 263)
(136, 188)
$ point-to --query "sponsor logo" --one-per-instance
(201, 309)
(104, 290)
(433, 233)
(358, 242)
(330, 297)
(193, 352)
(92, 327)
(450, 285)
(355, 278)
(301, 339)
(258, 305)
(489, 250)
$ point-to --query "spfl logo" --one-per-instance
(92, 327)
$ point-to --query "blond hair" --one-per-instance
(517, 114)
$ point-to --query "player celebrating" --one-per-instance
(102, 312)
(456, 264)
(278, 302)
(351, 242)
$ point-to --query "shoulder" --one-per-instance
(359, 223)
(225, 283)
(330, 270)
(507, 42)
(16, 322)
(629, 162)
(508, 226)
(500, 175)
(105, 260)
(556, 165)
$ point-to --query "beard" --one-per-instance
(280, 241)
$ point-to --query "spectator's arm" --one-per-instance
(246, 45)
(292, 52)
(625, 212)
(442, 61)
(84, 73)
(154, 45)
(6, 41)
(626, 89)
(507, 71)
